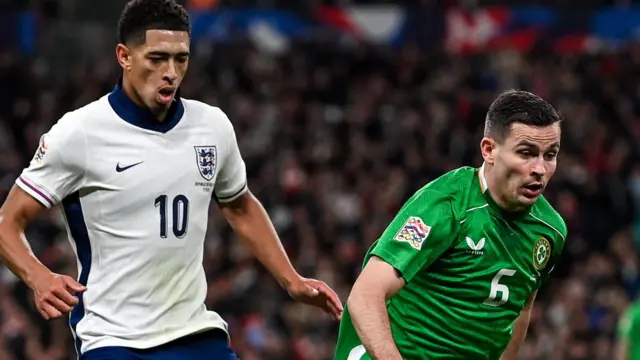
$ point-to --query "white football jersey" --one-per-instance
(135, 194)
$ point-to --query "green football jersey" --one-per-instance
(469, 268)
(629, 331)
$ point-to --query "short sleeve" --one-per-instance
(553, 260)
(57, 167)
(420, 233)
(232, 177)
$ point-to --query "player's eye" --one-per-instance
(550, 156)
(156, 60)
(525, 153)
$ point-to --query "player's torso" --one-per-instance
(145, 199)
(494, 264)
(150, 188)
(465, 303)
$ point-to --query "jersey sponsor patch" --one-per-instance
(207, 159)
(42, 149)
(541, 253)
(414, 231)
(475, 248)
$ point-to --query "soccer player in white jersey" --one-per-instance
(134, 173)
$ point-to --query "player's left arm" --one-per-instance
(519, 330)
(252, 224)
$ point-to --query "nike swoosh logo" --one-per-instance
(121, 169)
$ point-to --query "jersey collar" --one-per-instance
(483, 179)
(141, 117)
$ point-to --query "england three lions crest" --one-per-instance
(206, 157)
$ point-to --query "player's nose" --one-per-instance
(538, 167)
(171, 73)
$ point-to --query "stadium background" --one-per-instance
(343, 109)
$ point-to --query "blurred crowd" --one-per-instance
(335, 140)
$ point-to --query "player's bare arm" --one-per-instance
(519, 330)
(378, 282)
(248, 218)
(54, 294)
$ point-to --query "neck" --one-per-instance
(159, 113)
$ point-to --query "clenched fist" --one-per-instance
(55, 294)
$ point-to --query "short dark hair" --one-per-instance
(139, 16)
(516, 106)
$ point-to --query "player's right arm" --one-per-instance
(424, 228)
(52, 175)
(378, 282)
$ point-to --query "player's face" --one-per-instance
(524, 162)
(157, 67)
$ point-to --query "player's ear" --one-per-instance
(123, 54)
(488, 147)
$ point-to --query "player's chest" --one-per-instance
(132, 165)
(490, 242)
(497, 261)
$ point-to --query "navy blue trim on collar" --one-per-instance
(142, 117)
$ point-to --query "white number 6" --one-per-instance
(496, 288)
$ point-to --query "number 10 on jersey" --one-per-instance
(180, 215)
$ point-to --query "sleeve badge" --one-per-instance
(414, 231)
(42, 149)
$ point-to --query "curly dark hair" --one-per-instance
(516, 106)
(139, 16)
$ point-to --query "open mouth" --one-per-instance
(534, 187)
(533, 190)
(165, 94)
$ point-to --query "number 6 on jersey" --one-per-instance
(496, 288)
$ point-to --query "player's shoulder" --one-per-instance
(72, 124)
(454, 181)
(89, 112)
(209, 114)
(544, 212)
(452, 187)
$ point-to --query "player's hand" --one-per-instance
(55, 294)
(316, 293)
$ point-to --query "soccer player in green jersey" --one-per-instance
(628, 347)
(455, 274)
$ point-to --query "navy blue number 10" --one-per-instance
(180, 215)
